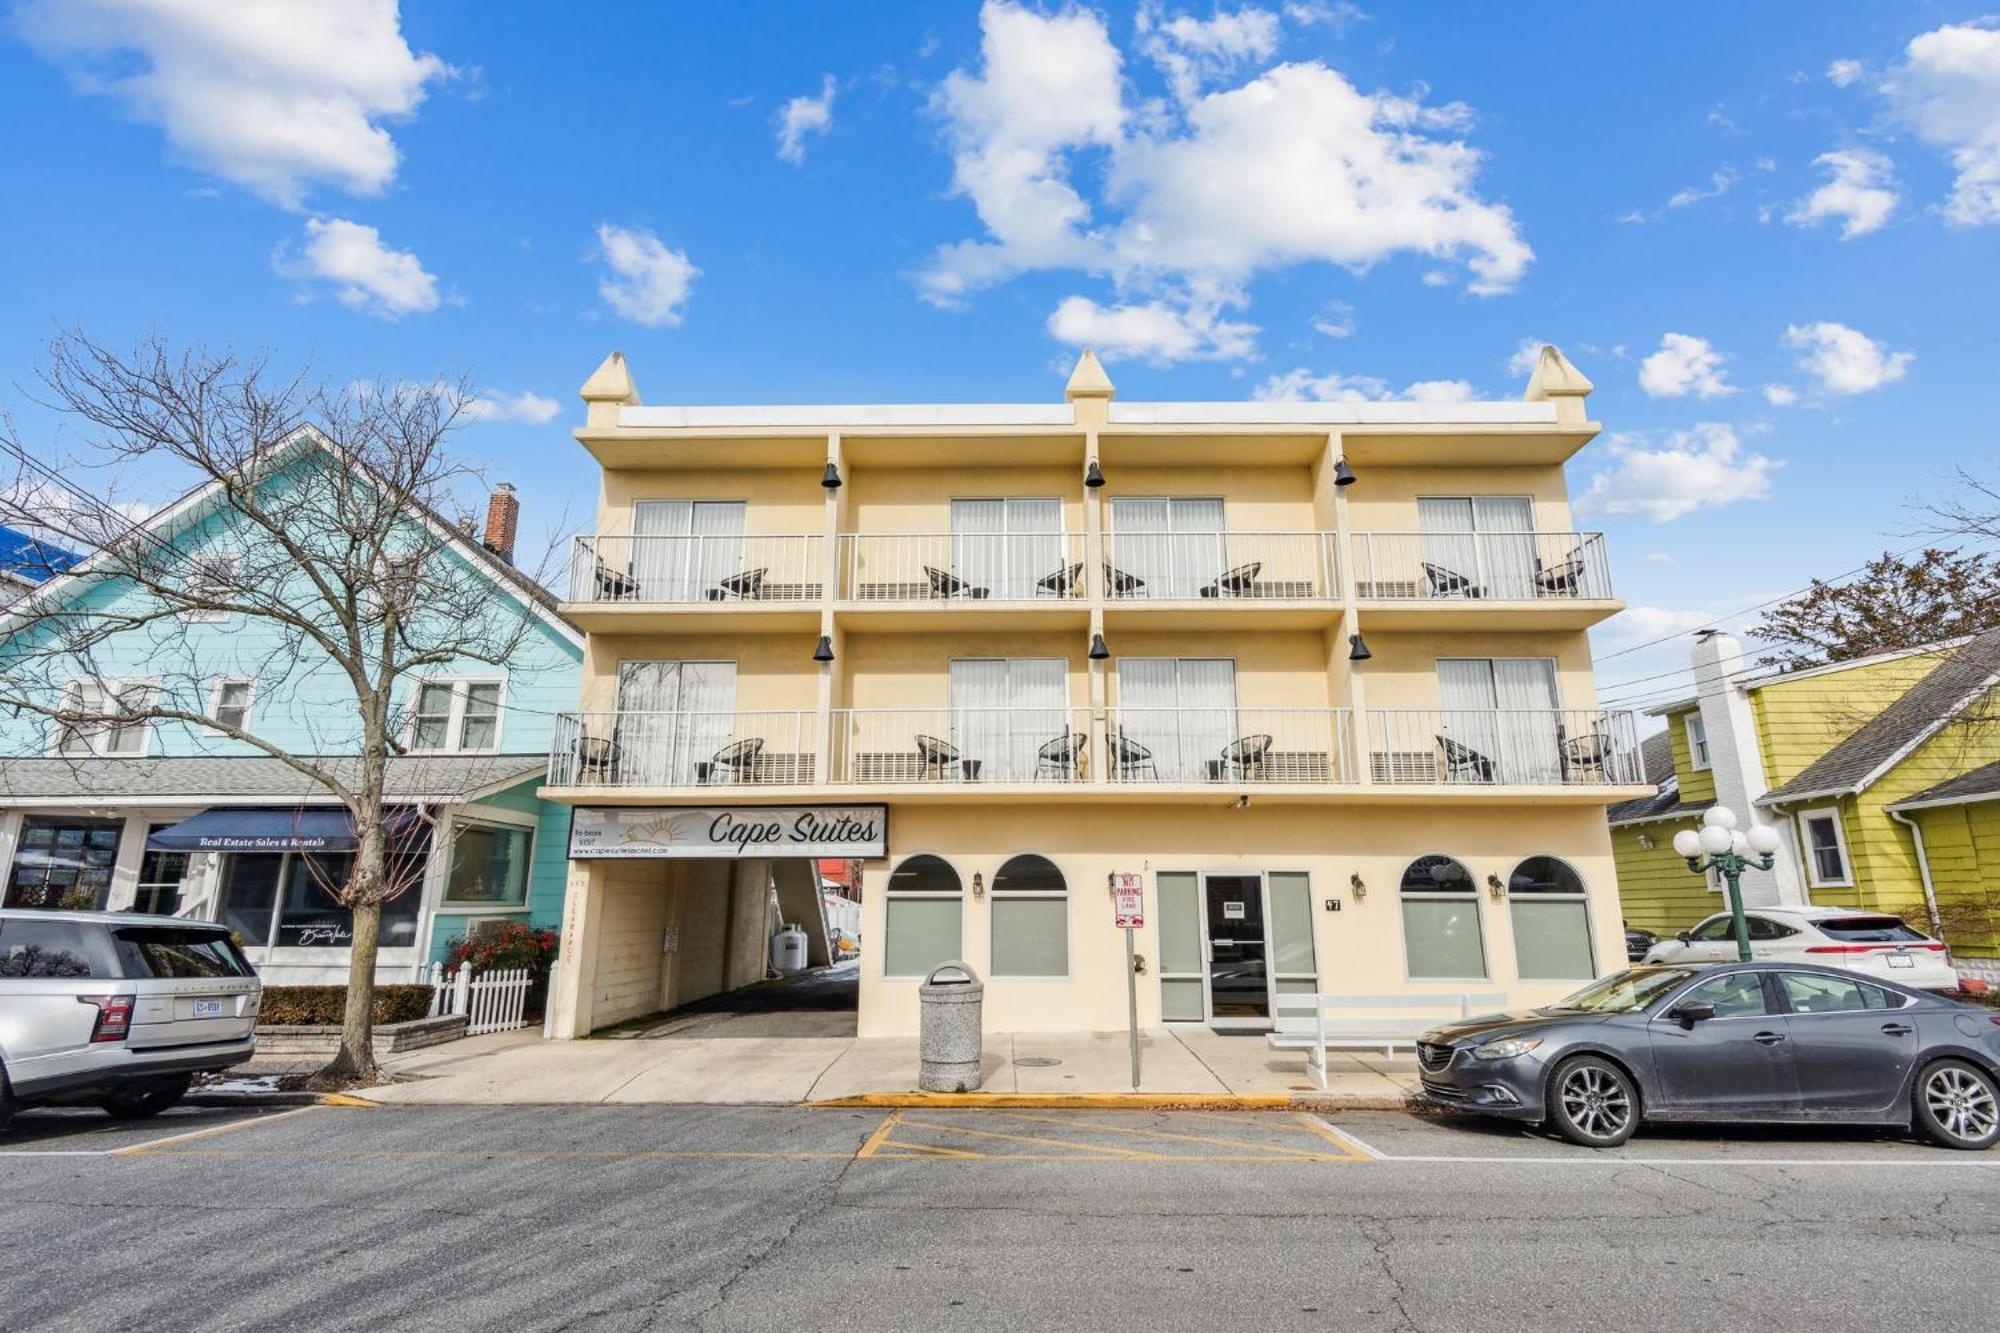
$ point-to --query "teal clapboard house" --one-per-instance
(175, 818)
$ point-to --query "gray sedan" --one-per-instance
(1772, 1042)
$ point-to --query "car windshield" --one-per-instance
(1867, 929)
(1626, 993)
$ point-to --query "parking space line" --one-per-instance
(933, 1150)
(1599, 1157)
(875, 1140)
(1273, 1149)
(134, 1150)
(1033, 1139)
(1352, 1149)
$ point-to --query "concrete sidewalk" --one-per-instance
(519, 1068)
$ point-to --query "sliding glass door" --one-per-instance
(1178, 714)
(673, 716)
(1004, 711)
(1479, 546)
(1166, 547)
(1503, 711)
(683, 550)
(1010, 547)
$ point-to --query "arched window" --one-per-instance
(923, 924)
(1551, 919)
(1441, 937)
(1030, 919)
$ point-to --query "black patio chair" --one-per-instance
(1244, 757)
(1060, 758)
(944, 583)
(1237, 582)
(1130, 758)
(1120, 583)
(1063, 583)
(1588, 754)
(1449, 582)
(747, 586)
(739, 758)
(596, 759)
(1460, 759)
(614, 585)
(939, 757)
(1561, 580)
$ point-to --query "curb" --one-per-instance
(275, 1099)
(1115, 1101)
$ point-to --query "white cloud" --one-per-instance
(646, 282)
(1684, 365)
(365, 274)
(1193, 52)
(1947, 90)
(1860, 191)
(1846, 360)
(1704, 466)
(1780, 395)
(531, 408)
(1659, 558)
(1334, 387)
(1154, 331)
(277, 96)
(1340, 15)
(803, 116)
(1841, 73)
(1719, 184)
(1198, 196)
(1527, 355)
(1336, 320)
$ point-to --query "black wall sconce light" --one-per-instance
(1098, 652)
(1360, 889)
(1357, 649)
(1093, 475)
(1494, 887)
(1343, 475)
(831, 477)
(978, 885)
(823, 651)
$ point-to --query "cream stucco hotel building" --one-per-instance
(1316, 673)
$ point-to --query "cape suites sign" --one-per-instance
(606, 833)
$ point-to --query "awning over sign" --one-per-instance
(315, 829)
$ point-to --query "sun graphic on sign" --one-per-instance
(660, 831)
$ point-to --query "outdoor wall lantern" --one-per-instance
(1098, 652)
(978, 885)
(1093, 475)
(1357, 649)
(1360, 889)
(823, 652)
(1645, 842)
(1494, 887)
(831, 479)
(1343, 475)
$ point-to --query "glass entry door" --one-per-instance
(1239, 980)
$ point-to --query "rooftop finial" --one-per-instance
(1088, 380)
(1556, 380)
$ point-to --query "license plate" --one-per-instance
(1901, 960)
(208, 1008)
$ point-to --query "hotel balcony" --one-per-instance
(1586, 756)
(916, 580)
(696, 581)
(1482, 580)
(1214, 579)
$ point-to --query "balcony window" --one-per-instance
(924, 922)
(1166, 546)
(1030, 921)
(1479, 546)
(1011, 548)
(1551, 919)
(687, 550)
(1441, 935)
(1175, 716)
(1005, 712)
(674, 718)
(1500, 721)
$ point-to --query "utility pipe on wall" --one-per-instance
(1923, 873)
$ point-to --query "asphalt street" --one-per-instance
(654, 1217)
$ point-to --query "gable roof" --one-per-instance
(1981, 784)
(1656, 759)
(196, 502)
(1964, 674)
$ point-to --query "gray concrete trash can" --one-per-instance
(948, 1037)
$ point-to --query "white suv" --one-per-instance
(1870, 942)
(116, 1010)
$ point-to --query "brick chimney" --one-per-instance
(503, 515)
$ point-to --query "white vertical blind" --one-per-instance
(1006, 546)
(1005, 709)
(673, 714)
(1529, 725)
(1181, 709)
(1507, 527)
(691, 546)
(1174, 545)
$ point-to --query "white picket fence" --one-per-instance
(493, 1001)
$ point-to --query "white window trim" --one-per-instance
(454, 728)
(1700, 758)
(249, 700)
(1426, 895)
(113, 686)
(490, 818)
(226, 564)
(1534, 513)
(1063, 895)
(1805, 818)
(890, 896)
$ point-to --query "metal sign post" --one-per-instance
(1128, 901)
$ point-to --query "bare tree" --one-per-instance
(1893, 604)
(315, 526)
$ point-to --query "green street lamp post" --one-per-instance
(1730, 852)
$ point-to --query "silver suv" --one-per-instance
(118, 1010)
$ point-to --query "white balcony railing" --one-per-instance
(653, 570)
(1534, 747)
(1222, 566)
(769, 748)
(962, 566)
(1495, 566)
(1228, 745)
(961, 745)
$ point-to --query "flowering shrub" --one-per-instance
(507, 945)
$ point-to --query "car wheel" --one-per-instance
(6, 1101)
(1957, 1105)
(141, 1103)
(1593, 1102)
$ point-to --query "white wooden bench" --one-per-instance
(1317, 1023)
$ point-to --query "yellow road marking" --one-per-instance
(1024, 1138)
(345, 1099)
(1299, 1153)
(153, 1144)
(928, 1149)
(1099, 1101)
(881, 1132)
(1350, 1150)
(480, 1153)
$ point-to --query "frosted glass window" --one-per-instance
(1441, 931)
(1030, 919)
(925, 917)
(1551, 922)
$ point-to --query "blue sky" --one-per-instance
(1774, 253)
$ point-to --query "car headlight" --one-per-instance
(1506, 1048)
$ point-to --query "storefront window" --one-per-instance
(279, 900)
(1030, 919)
(489, 866)
(160, 877)
(924, 924)
(1551, 922)
(1441, 938)
(64, 863)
